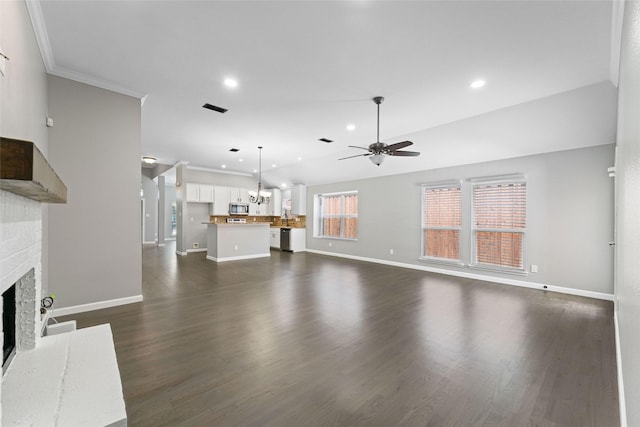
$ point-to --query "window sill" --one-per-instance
(495, 269)
(445, 261)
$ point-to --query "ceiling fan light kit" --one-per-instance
(378, 149)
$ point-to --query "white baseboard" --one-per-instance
(160, 244)
(238, 258)
(468, 275)
(149, 243)
(65, 311)
(196, 250)
(181, 253)
(621, 400)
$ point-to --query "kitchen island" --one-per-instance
(231, 242)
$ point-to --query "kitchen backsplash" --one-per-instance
(276, 221)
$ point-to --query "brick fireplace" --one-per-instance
(21, 260)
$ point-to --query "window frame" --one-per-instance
(490, 181)
(321, 216)
(434, 186)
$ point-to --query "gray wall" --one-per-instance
(95, 238)
(569, 217)
(628, 211)
(169, 199)
(196, 231)
(150, 191)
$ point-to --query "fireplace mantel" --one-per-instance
(25, 171)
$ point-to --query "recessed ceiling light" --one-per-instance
(351, 127)
(230, 82)
(477, 84)
(284, 185)
(241, 160)
(273, 165)
(149, 160)
(224, 166)
(255, 171)
(299, 158)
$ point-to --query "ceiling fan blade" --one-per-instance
(404, 153)
(398, 145)
(357, 155)
(355, 146)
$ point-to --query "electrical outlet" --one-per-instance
(390, 251)
(196, 245)
(235, 247)
(534, 268)
(329, 244)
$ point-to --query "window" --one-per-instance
(499, 216)
(338, 215)
(441, 221)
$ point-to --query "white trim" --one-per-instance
(456, 183)
(181, 253)
(153, 242)
(497, 179)
(161, 244)
(200, 168)
(40, 30)
(196, 250)
(238, 258)
(467, 275)
(621, 401)
(74, 309)
(617, 18)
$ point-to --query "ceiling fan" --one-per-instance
(378, 149)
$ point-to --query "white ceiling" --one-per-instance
(307, 69)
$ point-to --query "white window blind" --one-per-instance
(442, 221)
(339, 215)
(499, 212)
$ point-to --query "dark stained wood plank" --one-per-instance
(25, 171)
(309, 340)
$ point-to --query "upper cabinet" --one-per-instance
(221, 201)
(239, 195)
(299, 200)
(199, 193)
(275, 204)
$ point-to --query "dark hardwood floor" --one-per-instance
(309, 340)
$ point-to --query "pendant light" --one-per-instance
(260, 196)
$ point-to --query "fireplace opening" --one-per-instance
(8, 325)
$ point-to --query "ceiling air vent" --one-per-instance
(214, 108)
(326, 140)
(234, 150)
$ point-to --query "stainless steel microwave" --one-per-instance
(238, 208)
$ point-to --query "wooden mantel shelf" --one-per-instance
(25, 171)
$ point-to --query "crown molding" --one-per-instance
(42, 37)
(617, 17)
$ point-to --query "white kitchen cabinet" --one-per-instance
(275, 204)
(206, 193)
(199, 193)
(221, 201)
(274, 238)
(260, 210)
(299, 200)
(240, 195)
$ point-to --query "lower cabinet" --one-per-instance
(274, 238)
